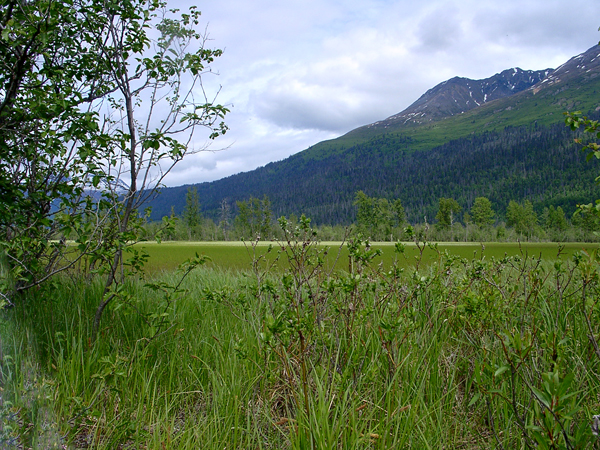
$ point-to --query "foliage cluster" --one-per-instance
(383, 220)
(482, 212)
(446, 215)
(378, 218)
(534, 162)
(522, 217)
(465, 353)
(98, 102)
(255, 218)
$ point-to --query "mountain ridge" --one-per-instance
(321, 180)
(458, 95)
(585, 65)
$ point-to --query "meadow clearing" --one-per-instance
(453, 348)
(238, 255)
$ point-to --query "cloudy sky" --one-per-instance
(296, 72)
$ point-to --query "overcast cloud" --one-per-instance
(297, 72)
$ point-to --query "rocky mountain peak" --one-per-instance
(458, 95)
(586, 65)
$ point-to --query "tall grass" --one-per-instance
(455, 354)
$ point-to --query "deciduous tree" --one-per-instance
(377, 217)
(554, 218)
(522, 217)
(99, 101)
(224, 213)
(481, 212)
(255, 218)
(366, 214)
(576, 121)
(446, 216)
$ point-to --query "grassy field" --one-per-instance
(469, 351)
(166, 256)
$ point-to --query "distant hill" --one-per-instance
(502, 137)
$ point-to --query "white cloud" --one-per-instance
(440, 29)
(301, 71)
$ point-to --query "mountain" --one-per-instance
(502, 137)
(459, 95)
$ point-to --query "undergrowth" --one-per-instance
(463, 354)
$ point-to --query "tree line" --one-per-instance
(381, 219)
(538, 163)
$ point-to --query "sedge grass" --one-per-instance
(391, 358)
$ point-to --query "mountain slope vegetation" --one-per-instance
(505, 146)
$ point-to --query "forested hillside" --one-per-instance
(515, 147)
(541, 163)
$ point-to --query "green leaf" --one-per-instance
(501, 370)
(474, 400)
(542, 397)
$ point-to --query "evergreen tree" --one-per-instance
(191, 212)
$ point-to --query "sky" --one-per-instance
(297, 72)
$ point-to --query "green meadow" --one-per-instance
(308, 345)
(312, 346)
(239, 255)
